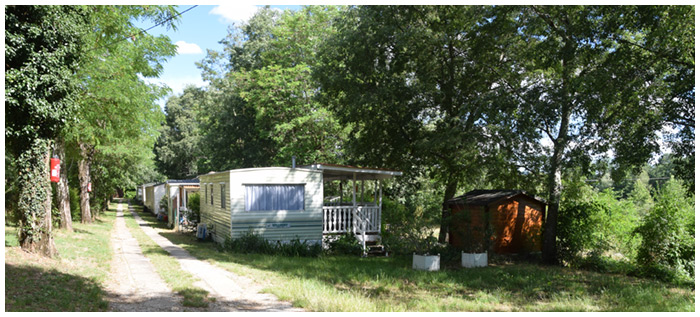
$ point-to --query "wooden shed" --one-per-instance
(502, 221)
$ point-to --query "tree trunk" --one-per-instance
(84, 178)
(549, 243)
(450, 191)
(35, 200)
(62, 189)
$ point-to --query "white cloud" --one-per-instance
(177, 84)
(239, 12)
(188, 48)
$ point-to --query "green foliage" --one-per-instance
(263, 106)
(251, 242)
(409, 231)
(667, 248)
(596, 226)
(74, 196)
(163, 204)
(179, 145)
(345, 244)
(193, 211)
(118, 118)
(44, 45)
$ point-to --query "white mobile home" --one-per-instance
(154, 193)
(278, 203)
(283, 203)
(179, 191)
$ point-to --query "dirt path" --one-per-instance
(135, 285)
(232, 292)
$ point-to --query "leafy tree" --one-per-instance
(283, 93)
(243, 46)
(418, 86)
(263, 108)
(116, 105)
(641, 197)
(42, 51)
(591, 83)
(232, 134)
(178, 146)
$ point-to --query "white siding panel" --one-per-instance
(279, 225)
(273, 225)
(212, 214)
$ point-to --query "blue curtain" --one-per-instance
(274, 197)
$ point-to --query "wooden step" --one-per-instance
(377, 250)
(369, 237)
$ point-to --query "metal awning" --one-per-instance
(342, 172)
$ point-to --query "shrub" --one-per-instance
(251, 242)
(667, 249)
(193, 212)
(344, 244)
(594, 226)
(163, 204)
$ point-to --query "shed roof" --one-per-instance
(481, 197)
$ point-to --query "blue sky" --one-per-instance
(200, 28)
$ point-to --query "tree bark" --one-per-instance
(35, 200)
(62, 189)
(450, 191)
(549, 243)
(84, 178)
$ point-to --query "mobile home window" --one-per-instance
(205, 194)
(211, 194)
(223, 195)
(274, 197)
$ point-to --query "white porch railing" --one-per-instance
(358, 220)
(337, 219)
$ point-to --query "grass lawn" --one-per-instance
(346, 283)
(70, 282)
(167, 267)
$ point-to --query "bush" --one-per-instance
(193, 212)
(163, 204)
(667, 249)
(408, 229)
(345, 244)
(594, 226)
(251, 242)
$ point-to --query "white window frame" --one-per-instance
(248, 208)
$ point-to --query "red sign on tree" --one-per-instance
(55, 169)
